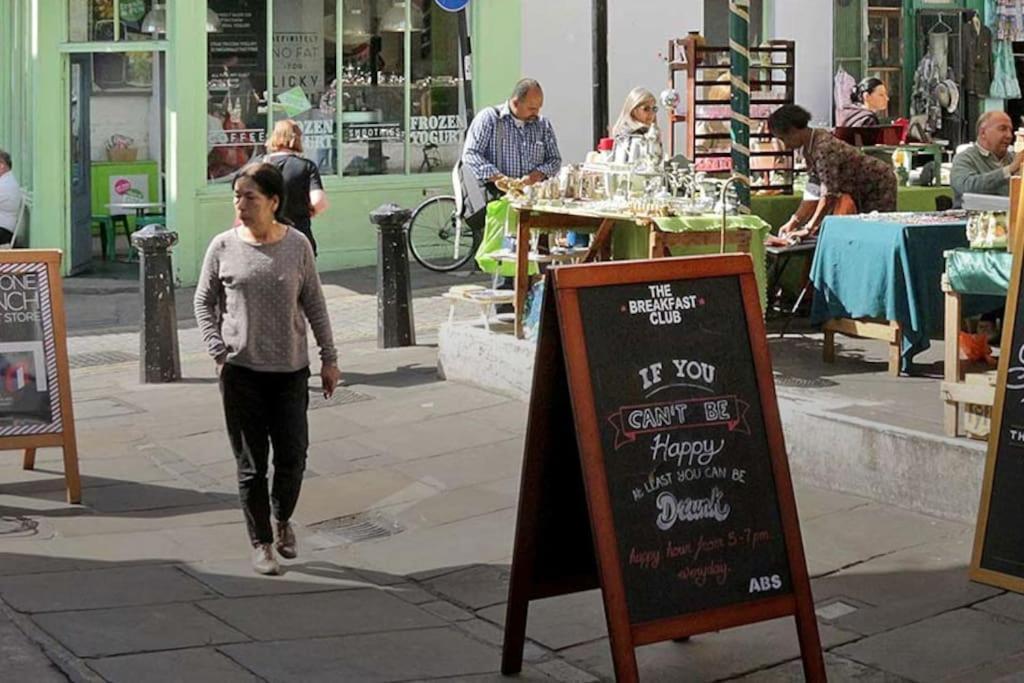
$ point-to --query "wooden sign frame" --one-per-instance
(977, 572)
(547, 463)
(60, 431)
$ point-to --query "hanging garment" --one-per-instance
(843, 87)
(938, 48)
(924, 100)
(977, 58)
(1009, 20)
(1004, 77)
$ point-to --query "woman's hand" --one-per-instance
(330, 375)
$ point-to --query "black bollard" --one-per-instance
(158, 339)
(394, 291)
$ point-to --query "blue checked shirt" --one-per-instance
(526, 148)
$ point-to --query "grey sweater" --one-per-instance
(979, 172)
(253, 300)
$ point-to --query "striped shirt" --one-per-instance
(524, 148)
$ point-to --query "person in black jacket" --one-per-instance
(304, 191)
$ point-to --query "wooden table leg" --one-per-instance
(951, 371)
(828, 351)
(29, 461)
(600, 245)
(895, 349)
(522, 281)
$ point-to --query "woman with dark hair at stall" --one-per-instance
(257, 290)
(840, 178)
(870, 102)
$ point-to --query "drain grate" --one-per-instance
(18, 527)
(341, 397)
(362, 526)
(803, 382)
(94, 358)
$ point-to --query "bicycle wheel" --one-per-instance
(438, 238)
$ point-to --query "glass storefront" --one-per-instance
(93, 20)
(390, 84)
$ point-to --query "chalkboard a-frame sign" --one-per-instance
(672, 494)
(998, 557)
(35, 385)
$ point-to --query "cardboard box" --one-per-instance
(122, 153)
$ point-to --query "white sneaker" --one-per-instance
(286, 544)
(263, 560)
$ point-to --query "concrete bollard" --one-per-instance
(160, 360)
(394, 291)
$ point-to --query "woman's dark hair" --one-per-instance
(865, 87)
(788, 117)
(270, 182)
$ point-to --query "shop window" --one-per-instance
(436, 126)
(236, 85)
(94, 20)
(304, 68)
(337, 62)
(372, 97)
(885, 50)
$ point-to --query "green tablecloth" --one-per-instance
(501, 219)
(776, 209)
(633, 242)
(979, 271)
(878, 269)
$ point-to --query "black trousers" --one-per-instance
(264, 409)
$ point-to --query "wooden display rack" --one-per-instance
(772, 70)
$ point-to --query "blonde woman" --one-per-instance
(639, 113)
(304, 191)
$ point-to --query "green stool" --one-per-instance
(108, 237)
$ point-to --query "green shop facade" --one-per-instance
(159, 105)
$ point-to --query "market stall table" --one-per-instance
(985, 274)
(878, 276)
(776, 209)
(649, 237)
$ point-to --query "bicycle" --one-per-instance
(439, 238)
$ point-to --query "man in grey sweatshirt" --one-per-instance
(986, 166)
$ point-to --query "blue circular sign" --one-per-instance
(452, 5)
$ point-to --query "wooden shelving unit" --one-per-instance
(707, 101)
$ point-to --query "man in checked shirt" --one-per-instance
(513, 140)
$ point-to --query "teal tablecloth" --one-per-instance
(877, 269)
(979, 271)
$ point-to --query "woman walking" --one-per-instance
(304, 190)
(257, 289)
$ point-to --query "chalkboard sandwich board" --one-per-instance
(672, 493)
(998, 557)
(35, 388)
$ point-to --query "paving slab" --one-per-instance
(483, 539)
(936, 649)
(1010, 605)
(475, 587)
(708, 657)
(197, 665)
(904, 587)
(137, 496)
(235, 578)
(814, 502)
(560, 622)
(371, 658)
(123, 630)
(22, 660)
(839, 540)
(838, 669)
(433, 437)
(99, 588)
(329, 497)
(464, 467)
(449, 506)
(282, 617)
